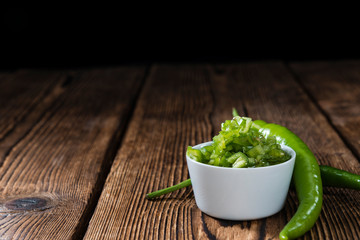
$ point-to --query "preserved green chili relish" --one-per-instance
(239, 144)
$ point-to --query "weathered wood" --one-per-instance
(20, 96)
(60, 149)
(173, 112)
(335, 86)
(184, 105)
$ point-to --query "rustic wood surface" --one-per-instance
(56, 155)
(80, 149)
(335, 88)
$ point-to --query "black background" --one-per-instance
(72, 39)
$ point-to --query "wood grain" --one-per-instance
(20, 98)
(184, 105)
(54, 166)
(173, 112)
(335, 87)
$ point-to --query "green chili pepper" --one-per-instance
(334, 177)
(306, 178)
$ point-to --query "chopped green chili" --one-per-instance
(237, 142)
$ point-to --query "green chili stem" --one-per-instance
(158, 193)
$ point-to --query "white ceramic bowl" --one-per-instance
(240, 193)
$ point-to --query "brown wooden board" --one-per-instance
(24, 97)
(64, 129)
(335, 86)
(184, 105)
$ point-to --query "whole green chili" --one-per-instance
(306, 178)
(333, 177)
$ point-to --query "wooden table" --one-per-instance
(80, 148)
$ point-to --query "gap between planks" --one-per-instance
(321, 110)
(110, 155)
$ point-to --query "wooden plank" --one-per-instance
(51, 177)
(24, 98)
(184, 105)
(335, 86)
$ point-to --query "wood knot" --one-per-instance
(26, 204)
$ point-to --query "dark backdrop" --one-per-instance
(63, 39)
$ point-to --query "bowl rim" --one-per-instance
(284, 147)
